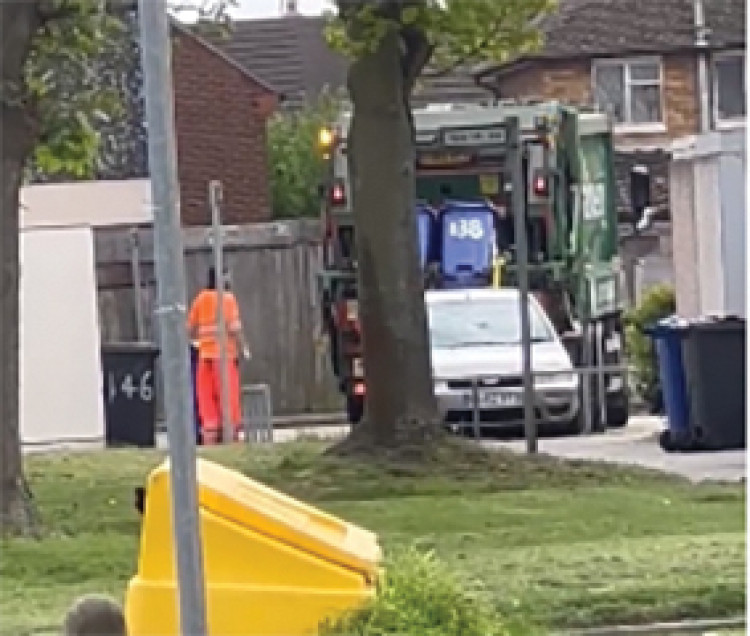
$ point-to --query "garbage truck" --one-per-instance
(466, 233)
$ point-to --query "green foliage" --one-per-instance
(61, 87)
(417, 596)
(547, 542)
(658, 303)
(297, 166)
(61, 84)
(460, 31)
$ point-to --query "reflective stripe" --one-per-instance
(212, 330)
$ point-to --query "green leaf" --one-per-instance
(60, 81)
(297, 166)
(410, 15)
(464, 31)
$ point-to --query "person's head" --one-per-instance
(213, 282)
(95, 615)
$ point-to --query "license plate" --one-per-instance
(496, 399)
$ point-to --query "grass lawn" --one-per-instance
(558, 544)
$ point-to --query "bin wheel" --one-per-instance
(678, 442)
(666, 442)
(355, 408)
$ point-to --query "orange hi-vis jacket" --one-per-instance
(203, 316)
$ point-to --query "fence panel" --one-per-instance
(273, 270)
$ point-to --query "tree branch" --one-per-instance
(417, 54)
(464, 59)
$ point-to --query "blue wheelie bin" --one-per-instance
(425, 232)
(668, 336)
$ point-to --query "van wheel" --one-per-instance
(355, 408)
(618, 411)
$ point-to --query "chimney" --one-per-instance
(290, 7)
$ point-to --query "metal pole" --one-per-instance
(135, 265)
(170, 276)
(515, 146)
(216, 196)
(600, 376)
(701, 43)
(586, 360)
(475, 417)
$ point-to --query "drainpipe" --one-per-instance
(701, 43)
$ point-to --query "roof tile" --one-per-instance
(291, 55)
(583, 28)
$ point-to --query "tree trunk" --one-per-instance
(19, 22)
(401, 408)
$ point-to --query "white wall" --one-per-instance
(652, 271)
(732, 179)
(709, 220)
(60, 376)
(95, 203)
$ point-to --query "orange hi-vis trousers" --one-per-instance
(208, 387)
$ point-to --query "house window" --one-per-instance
(729, 86)
(629, 90)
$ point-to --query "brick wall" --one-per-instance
(220, 119)
(681, 96)
(569, 81)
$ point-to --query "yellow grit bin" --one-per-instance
(273, 566)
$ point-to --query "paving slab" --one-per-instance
(637, 445)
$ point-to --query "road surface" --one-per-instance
(637, 445)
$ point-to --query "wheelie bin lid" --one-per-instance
(667, 327)
(715, 323)
(130, 347)
(243, 501)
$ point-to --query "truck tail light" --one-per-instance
(338, 194)
(541, 186)
(359, 388)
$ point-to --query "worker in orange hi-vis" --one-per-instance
(202, 325)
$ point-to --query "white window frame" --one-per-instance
(719, 122)
(626, 62)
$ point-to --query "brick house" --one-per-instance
(639, 61)
(220, 124)
(220, 119)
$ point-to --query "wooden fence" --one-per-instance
(273, 269)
